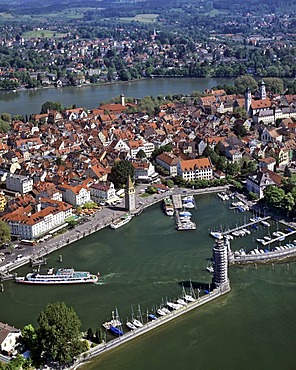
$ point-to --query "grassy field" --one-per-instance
(6, 16)
(43, 33)
(145, 18)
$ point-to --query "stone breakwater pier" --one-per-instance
(104, 347)
(221, 285)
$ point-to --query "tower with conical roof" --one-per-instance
(220, 258)
(130, 195)
(262, 91)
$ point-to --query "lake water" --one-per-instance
(28, 102)
(146, 261)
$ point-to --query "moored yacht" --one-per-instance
(121, 221)
(168, 206)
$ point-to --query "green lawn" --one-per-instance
(145, 18)
(43, 33)
(6, 15)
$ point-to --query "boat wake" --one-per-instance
(164, 282)
(104, 279)
(100, 283)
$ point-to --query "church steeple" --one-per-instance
(248, 101)
(262, 91)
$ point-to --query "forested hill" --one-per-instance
(151, 6)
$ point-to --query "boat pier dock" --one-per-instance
(245, 225)
(279, 254)
(39, 261)
(182, 224)
(177, 201)
(104, 347)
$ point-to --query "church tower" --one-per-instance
(130, 195)
(262, 91)
(248, 101)
(220, 258)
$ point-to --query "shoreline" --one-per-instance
(97, 223)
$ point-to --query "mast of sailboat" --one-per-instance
(140, 314)
(192, 293)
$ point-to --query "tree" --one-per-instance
(170, 183)
(273, 195)
(242, 83)
(59, 334)
(274, 84)
(287, 172)
(5, 236)
(6, 117)
(288, 202)
(141, 154)
(240, 112)
(90, 334)
(120, 172)
(50, 105)
(4, 126)
(30, 340)
(239, 129)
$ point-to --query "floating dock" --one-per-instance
(274, 255)
(245, 225)
(38, 261)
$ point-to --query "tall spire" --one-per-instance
(262, 91)
(248, 101)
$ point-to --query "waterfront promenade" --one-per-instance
(95, 223)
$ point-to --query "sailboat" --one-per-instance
(187, 297)
(114, 326)
(210, 267)
(130, 325)
(138, 323)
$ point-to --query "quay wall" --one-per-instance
(104, 347)
(53, 246)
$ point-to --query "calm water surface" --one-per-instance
(144, 262)
(28, 102)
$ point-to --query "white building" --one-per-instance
(144, 170)
(102, 190)
(258, 182)
(9, 336)
(169, 162)
(75, 195)
(195, 169)
(18, 183)
(31, 222)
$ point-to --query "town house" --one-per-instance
(195, 169)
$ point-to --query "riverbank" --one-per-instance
(27, 102)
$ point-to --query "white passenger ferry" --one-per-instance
(61, 276)
(121, 221)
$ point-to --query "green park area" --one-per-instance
(43, 33)
(144, 18)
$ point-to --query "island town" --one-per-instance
(64, 173)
